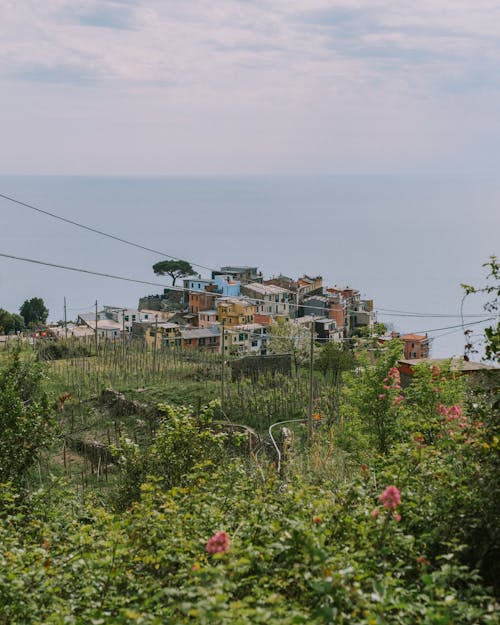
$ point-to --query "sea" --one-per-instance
(407, 242)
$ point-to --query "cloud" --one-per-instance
(62, 74)
(331, 79)
(105, 14)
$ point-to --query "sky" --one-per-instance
(165, 87)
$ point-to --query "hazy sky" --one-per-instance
(249, 86)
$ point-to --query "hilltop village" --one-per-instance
(233, 310)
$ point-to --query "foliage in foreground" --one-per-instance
(214, 540)
(300, 554)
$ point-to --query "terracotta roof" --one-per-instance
(414, 337)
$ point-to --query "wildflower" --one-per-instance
(397, 517)
(317, 520)
(423, 560)
(219, 543)
(375, 512)
(443, 410)
(398, 400)
(196, 566)
(455, 411)
(364, 468)
(317, 416)
(390, 498)
(381, 396)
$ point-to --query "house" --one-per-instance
(207, 318)
(242, 273)
(326, 330)
(233, 311)
(106, 328)
(331, 306)
(359, 313)
(269, 299)
(247, 338)
(227, 285)
(298, 289)
(126, 316)
(415, 345)
(162, 332)
(202, 300)
(200, 338)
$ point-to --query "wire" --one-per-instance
(87, 271)
(96, 230)
(427, 316)
(471, 323)
(403, 313)
(387, 312)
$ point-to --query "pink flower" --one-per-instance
(397, 517)
(443, 410)
(390, 498)
(381, 396)
(398, 400)
(455, 411)
(219, 543)
(375, 512)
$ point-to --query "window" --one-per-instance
(201, 341)
(126, 317)
(133, 318)
(212, 340)
(187, 341)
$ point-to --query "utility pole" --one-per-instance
(155, 344)
(65, 322)
(123, 336)
(96, 335)
(223, 355)
(311, 387)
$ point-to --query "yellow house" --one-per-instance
(232, 311)
(164, 333)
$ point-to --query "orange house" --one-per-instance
(415, 346)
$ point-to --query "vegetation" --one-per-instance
(173, 268)
(388, 515)
(10, 323)
(34, 311)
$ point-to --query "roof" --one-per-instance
(414, 337)
(249, 327)
(456, 364)
(233, 300)
(264, 289)
(200, 333)
(104, 324)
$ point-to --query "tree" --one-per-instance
(34, 311)
(10, 322)
(287, 337)
(334, 359)
(492, 331)
(26, 418)
(173, 268)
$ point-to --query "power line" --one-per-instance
(401, 313)
(96, 230)
(386, 312)
(425, 315)
(87, 271)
